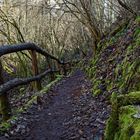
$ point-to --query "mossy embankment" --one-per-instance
(115, 72)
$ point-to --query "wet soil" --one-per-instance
(67, 112)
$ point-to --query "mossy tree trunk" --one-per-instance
(4, 103)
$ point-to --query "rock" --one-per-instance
(137, 116)
(49, 114)
(80, 132)
(6, 135)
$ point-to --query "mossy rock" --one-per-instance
(112, 124)
(124, 121)
(129, 125)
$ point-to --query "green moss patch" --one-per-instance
(124, 121)
(129, 125)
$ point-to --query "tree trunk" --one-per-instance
(36, 84)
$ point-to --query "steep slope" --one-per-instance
(116, 71)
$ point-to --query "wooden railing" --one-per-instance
(33, 49)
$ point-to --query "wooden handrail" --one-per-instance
(32, 48)
(22, 81)
(7, 49)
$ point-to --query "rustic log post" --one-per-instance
(36, 84)
(4, 103)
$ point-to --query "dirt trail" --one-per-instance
(72, 114)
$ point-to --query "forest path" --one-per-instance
(72, 114)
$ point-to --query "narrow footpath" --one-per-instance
(71, 113)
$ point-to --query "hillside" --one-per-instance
(115, 74)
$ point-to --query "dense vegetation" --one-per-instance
(100, 36)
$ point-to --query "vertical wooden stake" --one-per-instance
(4, 103)
(36, 84)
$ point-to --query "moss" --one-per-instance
(138, 20)
(4, 126)
(120, 69)
(129, 126)
(112, 124)
(138, 41)
(129, 99)
(123, 123)
(96, 92)
(137, 32)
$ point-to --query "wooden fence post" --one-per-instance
(4, 103)
(36, 84)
